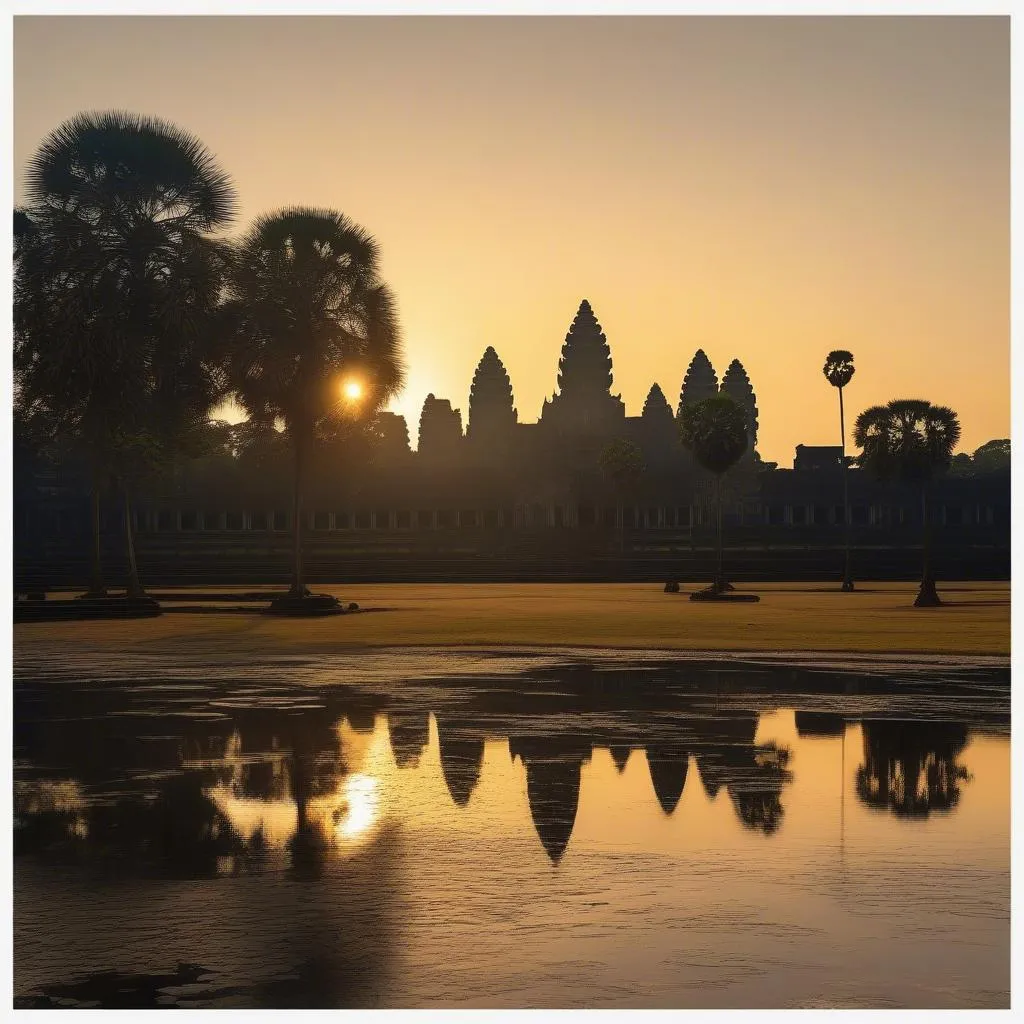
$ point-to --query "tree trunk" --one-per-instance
(927, 596)
(298, 588)
(96, 587)
(719, 578)
(847, 578)
(134, 588)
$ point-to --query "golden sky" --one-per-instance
(766, 189)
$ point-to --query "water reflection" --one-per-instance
(310, 781)
(911, 768)
(329, 809)
(409, 733)
(819, 723)
(462, 755)
(553, 764)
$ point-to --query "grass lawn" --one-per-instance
(879, 618)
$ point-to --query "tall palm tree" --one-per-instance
(910, 440)
(313, 323)
(715, 431)
(117, 286)
(839, 371)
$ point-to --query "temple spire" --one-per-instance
(585, 367)
(736, 384)
(440, 428)
(700, 382)
(656, 407)
(584, 402)
(492, 413)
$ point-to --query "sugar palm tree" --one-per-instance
(117, 281)
(909, 440)
(839, 371)
(315, 341)
(715, 431)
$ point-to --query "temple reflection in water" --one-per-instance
(307, 785)
(569, 830)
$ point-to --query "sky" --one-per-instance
(766, 189)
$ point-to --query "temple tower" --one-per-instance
(656, 408)
(584, 402)
(440, 429)
(492, 413)
(736, 384)
(700, 381)
(658, 427)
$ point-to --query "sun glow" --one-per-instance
(360, 807)
(352, 389)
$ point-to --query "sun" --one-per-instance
(352, 389)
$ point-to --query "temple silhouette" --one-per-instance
(580, 418)
(498, 498)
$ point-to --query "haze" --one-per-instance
(767, 189)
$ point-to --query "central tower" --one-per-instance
(584, 402)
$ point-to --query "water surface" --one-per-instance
(316, 834)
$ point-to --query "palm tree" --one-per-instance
(622, 463)
(715, 431)
(839, 371)
(909, 440)
(117, 285)
(316, 342)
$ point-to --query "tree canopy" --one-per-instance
(117, 284)
(839, 368)
(117, 287)
(308, 311)
(715, 431)
(908, 439)
(991, 458)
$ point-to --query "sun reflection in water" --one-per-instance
(359, 809)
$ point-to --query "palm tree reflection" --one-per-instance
(911, 768)
(753, 774)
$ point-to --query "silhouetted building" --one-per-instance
(440, 430)
(584, 403)
(736, 384)
(818, 458)
(492, 413)
(700, 381)
(510, 500)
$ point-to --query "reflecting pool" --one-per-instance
(511, 833)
